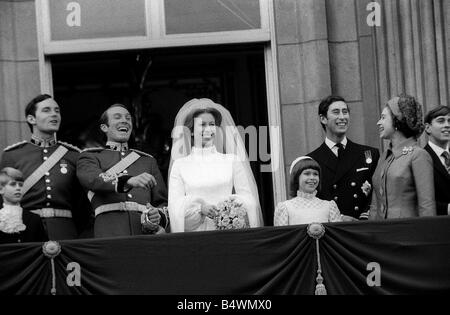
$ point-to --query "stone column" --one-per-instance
(304, 72)
(19, 68)
(413, 50)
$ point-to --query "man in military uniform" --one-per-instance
(347, 167)
(51, 188)
(125, 186)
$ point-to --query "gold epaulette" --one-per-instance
(70, 146)
(15, 145)
(92, 149)
(143, 153)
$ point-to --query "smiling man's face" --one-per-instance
(119, 125)
(337, 120)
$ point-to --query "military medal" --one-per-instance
(63, 169)
(368, 156)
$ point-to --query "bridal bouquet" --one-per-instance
(231, 215)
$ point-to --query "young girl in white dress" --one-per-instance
(200, 175)
(305, 207)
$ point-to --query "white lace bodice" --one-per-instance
(305, 209)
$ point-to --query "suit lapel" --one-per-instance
(347, 161)
(327, 157)
(437, 164)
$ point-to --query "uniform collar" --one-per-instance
(117, 146)
(44, 143)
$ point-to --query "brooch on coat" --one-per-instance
(407, 150)
(368, 155)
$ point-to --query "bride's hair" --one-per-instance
(189, 122)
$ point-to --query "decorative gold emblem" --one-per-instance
(316, 230)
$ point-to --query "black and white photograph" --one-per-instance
(224, 153)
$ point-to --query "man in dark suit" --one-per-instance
(437, 126)
(347, 167)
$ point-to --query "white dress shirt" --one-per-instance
(333, 145)
(438, 150)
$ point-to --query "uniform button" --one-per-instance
(123, 153)
(47, 174)
(335, 198)
(355, 196)
(18, 241)
(353, 184)
(45, 158)
(49, 188)
(130, 196)
(49, 196)
(45, 151)
(47, 180)
(48, 204)
(125, 172)
(356, 208)
(334, 186)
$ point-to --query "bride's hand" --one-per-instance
(209, 210)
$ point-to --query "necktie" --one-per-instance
(446, 156)
(340, 151)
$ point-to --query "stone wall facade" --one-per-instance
(19, 67)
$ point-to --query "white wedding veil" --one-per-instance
(227, 141)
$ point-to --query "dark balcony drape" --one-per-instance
(413, 257)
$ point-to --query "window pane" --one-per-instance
(200, 16)
(96, 18)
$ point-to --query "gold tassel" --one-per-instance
(51, 249)
(320, 287)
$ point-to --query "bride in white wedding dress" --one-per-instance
(209, 164)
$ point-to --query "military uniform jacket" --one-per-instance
(441, 183)
(403, 183)
(341, 179)
(96, 161)
(59, 188)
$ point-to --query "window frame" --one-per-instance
(156, 39)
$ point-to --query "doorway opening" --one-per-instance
(154, 84)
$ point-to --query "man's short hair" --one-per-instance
(104, 117)
(436, 112)
(8, 173)
(325, 104)
(31, 107)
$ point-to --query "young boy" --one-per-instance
(17, 226)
